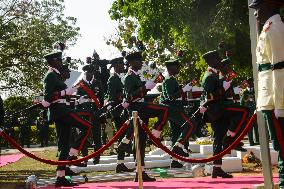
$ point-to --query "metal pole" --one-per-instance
(138, 155)
(262, 128)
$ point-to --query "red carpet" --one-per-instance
(180, 183)
(7, 159)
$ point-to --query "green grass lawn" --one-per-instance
(19, 171)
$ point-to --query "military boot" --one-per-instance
(176, 164)
(121, 168)
(145, 177)
(62, 181)
(81, 164)
(218, 172)
(69, 172)
(178, 150)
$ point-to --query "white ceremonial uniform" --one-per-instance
(270, 49)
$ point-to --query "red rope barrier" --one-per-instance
(62, 163)
(91, 94)
(158, 143)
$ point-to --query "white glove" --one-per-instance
(202, 109)
(150, 84)
(125, 105)
(226, 84)
(68, 91)
(45, 103)
(187, 88)
(156, 133)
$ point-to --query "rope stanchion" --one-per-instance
(158, 143)
(137, 146)
(62, 163)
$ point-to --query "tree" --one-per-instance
(15, 107)
(195, 26)
(28, 30)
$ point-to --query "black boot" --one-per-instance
(69, 172)
(179, 151)
(145, 177)
(62, 181)
(121, 168)
(229, 140)
(96, 160)
(125, 147)
(176, 164)
(218, 172)
(81, 164)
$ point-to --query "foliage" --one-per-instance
(34, 135)
(194, 26)
(28, 29)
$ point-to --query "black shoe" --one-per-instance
(125, 147)
(96, 160)
(69, 172)
(179, 151)
(81, 164)
(62, 181)
(218, 172)
(241, 144)
(121, 168)
(145, 177)
(240, 148)
(176, 164)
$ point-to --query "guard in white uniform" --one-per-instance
(270, 60)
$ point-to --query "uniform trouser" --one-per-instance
(118, 121)
(145, 111)
(220, 128)
(63, 128)
(276, 132)
(253, 130)
(180, 124)
(94, 119)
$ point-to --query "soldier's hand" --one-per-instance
(150, 85)
(125, 105)
(68, 91)
(226, 84)
(202, 109)
(187, 88)
(156, 133)
(45, 103)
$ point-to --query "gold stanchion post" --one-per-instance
(138, 156)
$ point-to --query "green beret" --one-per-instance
(88, 68)
(210, 56)
(116, 61)
(173, 62)
(57, 55)
(255, 3)
(134, 56)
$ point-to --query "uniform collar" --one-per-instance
(116, 74)
(136, 73)
(274, 18)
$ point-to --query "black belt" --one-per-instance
(269, 66)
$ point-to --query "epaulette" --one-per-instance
(267, 26)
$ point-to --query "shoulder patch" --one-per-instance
(267, 26)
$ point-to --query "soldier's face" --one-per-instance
(262, 13)
(136, 64)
